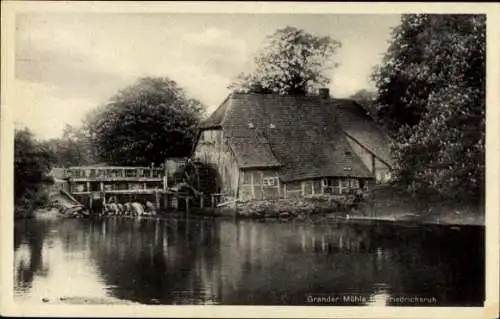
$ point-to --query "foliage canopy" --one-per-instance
(291, 61)
(145, 123)
(431, 96)
(32, 163)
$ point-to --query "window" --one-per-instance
(348, 153)
(324, 182)
(355, 183)
(269, 181)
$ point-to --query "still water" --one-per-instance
(243, 262)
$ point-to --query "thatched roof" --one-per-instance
(297, 133)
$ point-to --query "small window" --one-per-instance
(348, 153)
(354, 183)
(269, 181)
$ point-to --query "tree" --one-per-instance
(431, 96)
(145, 123)
(73, 149)
(291, 61)
(32, 162)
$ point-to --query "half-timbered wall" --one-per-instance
(259, 184)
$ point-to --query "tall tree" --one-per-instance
(74, 148)
(291, 61)
(431, 95)
(32, 162)
(145, 123)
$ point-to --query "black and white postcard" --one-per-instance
(250, 159)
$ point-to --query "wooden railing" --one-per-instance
(114, 172)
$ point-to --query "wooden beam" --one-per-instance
(157, 199)
(187, 199)
(279, 187)
(373, 167)
(251, 183)
(261, 185)
(366, 149)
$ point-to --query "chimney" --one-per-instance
(324, 93)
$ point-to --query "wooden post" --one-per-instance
(251, 183)
(261, 185)
(303, 186)
(284, 191)
(373, 168)
(165, 201)
(202, 199)
(88, 186)
(279, 187)
(213, 200)
(157, 199)
(312, 187)
(187, 204)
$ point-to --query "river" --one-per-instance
(244, 262)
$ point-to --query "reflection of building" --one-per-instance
(267, 146)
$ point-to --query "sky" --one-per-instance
(66, 64)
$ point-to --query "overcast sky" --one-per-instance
(69, 63)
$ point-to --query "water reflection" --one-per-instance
(200, 261)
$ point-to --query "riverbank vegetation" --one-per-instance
(32, 162)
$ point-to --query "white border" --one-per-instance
(8, 307)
